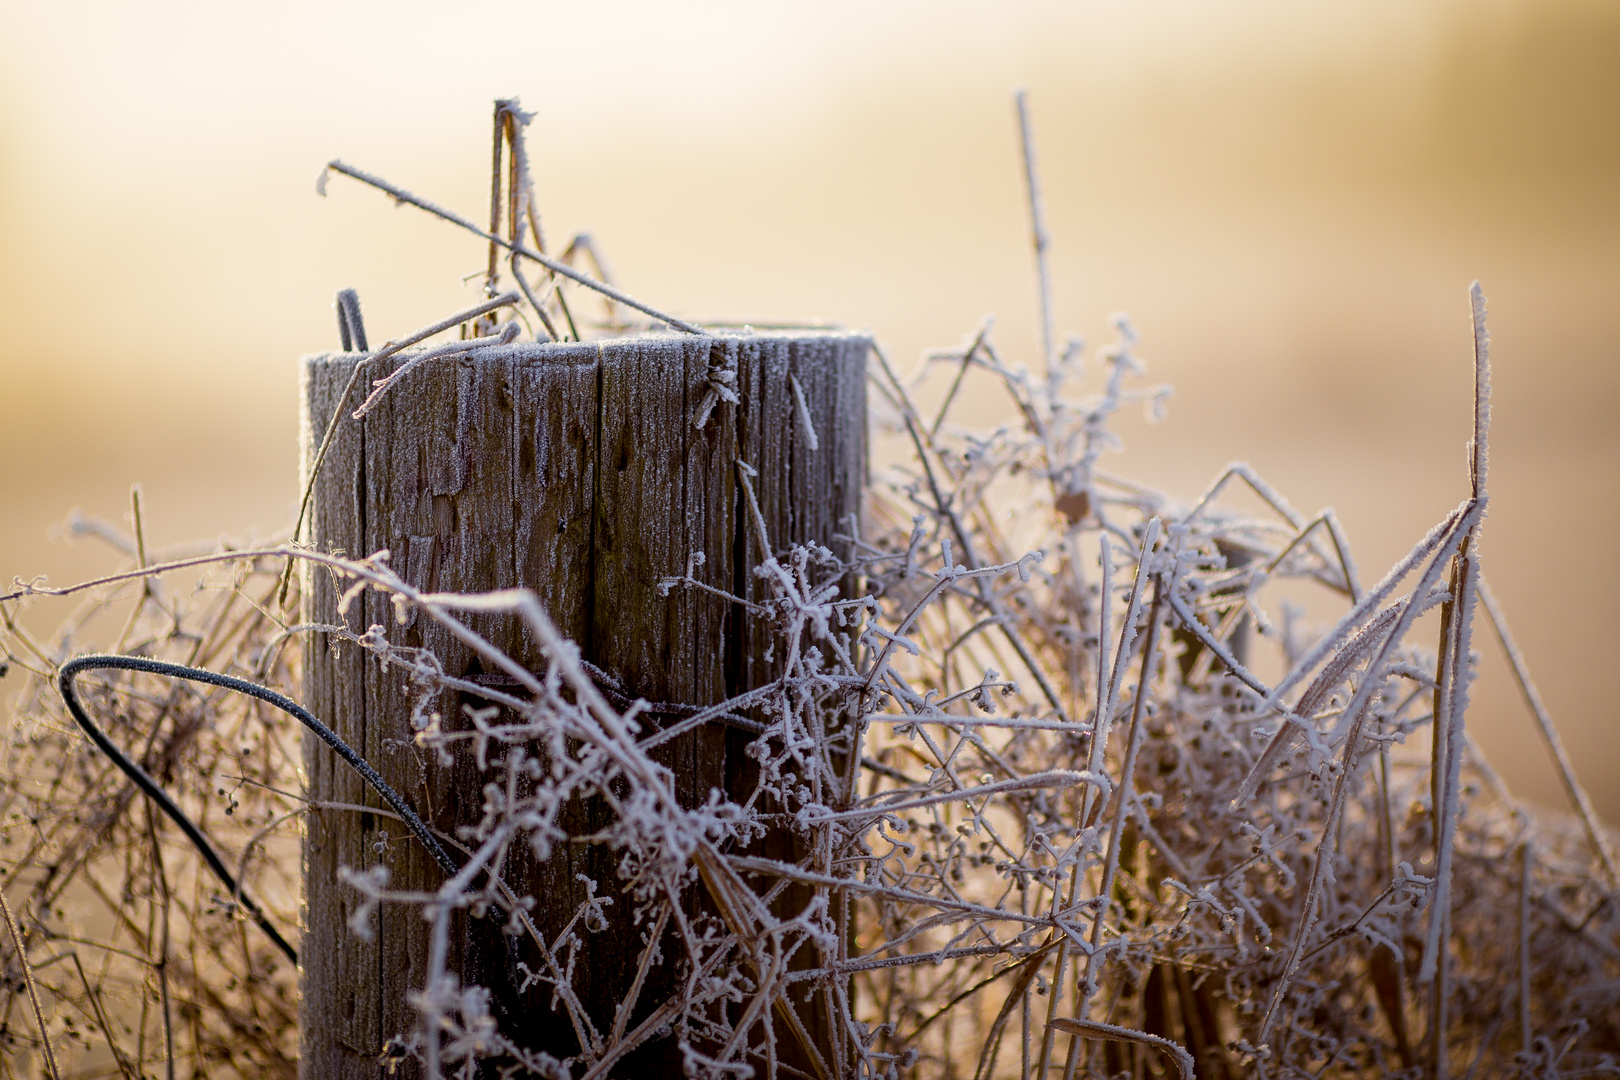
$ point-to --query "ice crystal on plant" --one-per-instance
(1054, 823)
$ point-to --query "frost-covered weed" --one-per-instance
(1053, 823)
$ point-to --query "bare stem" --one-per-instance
(1037, 217)
(33, 991)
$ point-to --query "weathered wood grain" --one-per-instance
(340, 970)
(574, 470)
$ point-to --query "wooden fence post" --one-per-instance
(574, 470)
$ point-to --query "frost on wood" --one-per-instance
(1228, 872)
(1020, 798)
(575, 470)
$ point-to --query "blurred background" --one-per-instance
(1289, 199)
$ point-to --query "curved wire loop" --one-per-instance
(150, 788)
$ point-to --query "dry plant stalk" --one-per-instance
(1057, 826)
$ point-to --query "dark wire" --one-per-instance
(351, 328)
(150, 788)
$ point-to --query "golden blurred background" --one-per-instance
(1289, 199)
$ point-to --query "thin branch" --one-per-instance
(33, 991)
